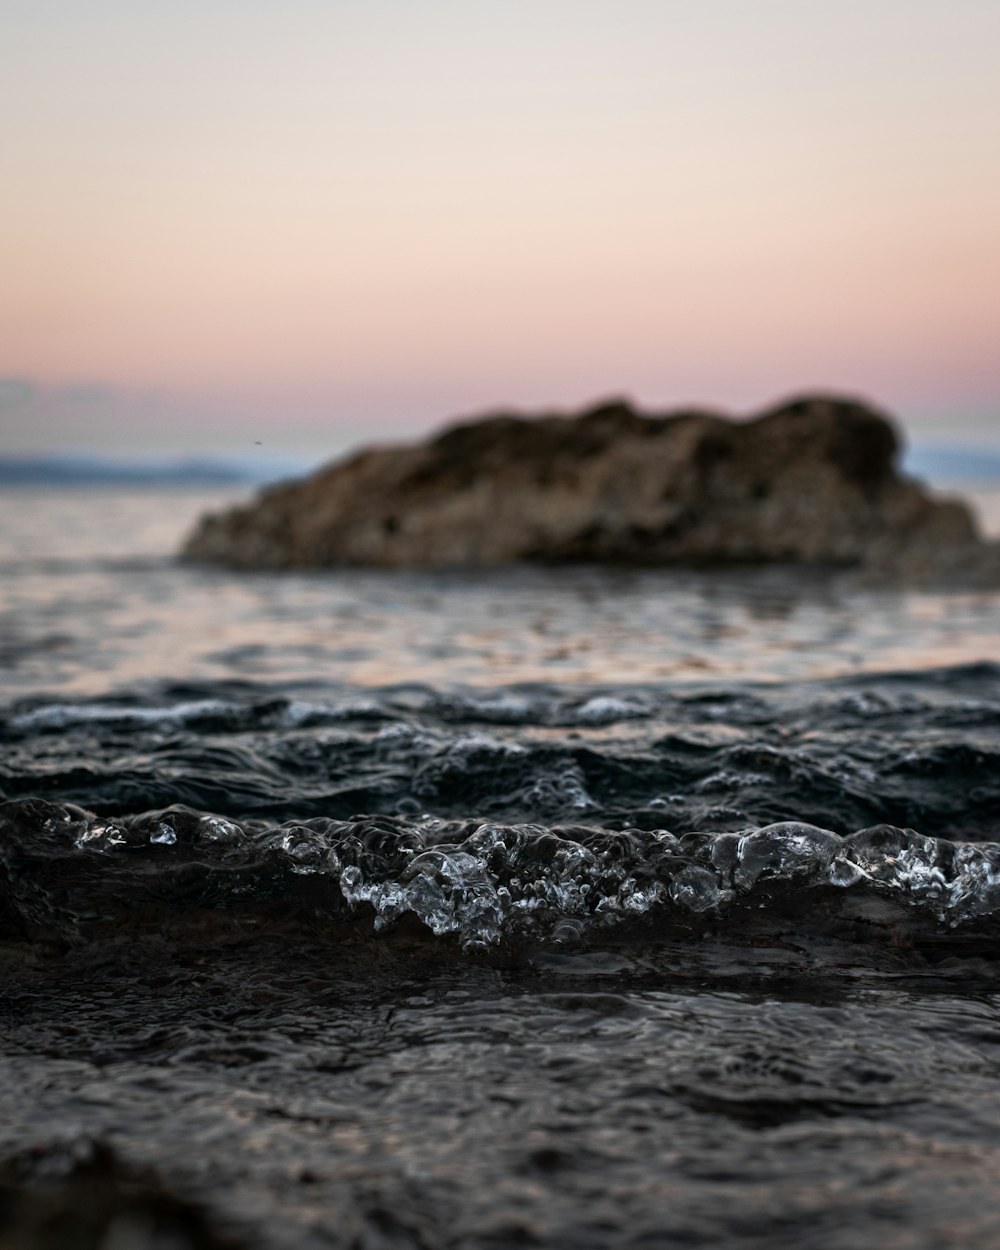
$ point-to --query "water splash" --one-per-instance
(489, 883)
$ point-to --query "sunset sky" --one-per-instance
(317, 222)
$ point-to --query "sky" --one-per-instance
(311, 223)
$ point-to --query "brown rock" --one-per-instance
(811, 481)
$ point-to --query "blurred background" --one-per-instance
(248, 236)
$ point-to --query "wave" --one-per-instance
(72, 875)
(491, 818)
(915, 751)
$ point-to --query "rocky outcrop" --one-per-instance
(813, 481)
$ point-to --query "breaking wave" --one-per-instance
(70, 873)
(523, 814)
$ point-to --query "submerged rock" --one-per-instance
(813, 481)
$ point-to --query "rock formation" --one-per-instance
(813, 481)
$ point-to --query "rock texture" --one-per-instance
(813, 481)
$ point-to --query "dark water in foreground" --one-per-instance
(561, 910)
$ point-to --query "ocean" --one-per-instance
(558, 907)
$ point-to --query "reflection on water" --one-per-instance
(93, 599)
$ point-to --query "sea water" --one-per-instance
(558, 907)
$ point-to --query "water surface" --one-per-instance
(560, 908)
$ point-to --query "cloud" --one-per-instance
(18, 392)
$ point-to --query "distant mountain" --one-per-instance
(945, 464)
(940, 464)
(70, 470)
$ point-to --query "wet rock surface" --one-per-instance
(76, 1193)
(752, 1092)
(813, 481)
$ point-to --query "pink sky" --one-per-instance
(317, 223)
